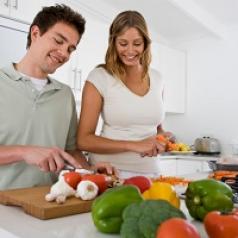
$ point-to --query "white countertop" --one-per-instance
(14, 223)
(189, 157)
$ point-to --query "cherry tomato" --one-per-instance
(72, 179)
(99, 179)
(177, 228)
(142, 182)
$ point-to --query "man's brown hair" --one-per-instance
(49, 16)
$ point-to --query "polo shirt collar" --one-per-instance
(15, 75)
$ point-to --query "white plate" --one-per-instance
(190, 152)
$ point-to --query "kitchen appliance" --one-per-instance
(233, 183)
(207, 145)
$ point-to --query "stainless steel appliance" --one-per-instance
(207, 145)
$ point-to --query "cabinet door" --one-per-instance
(26, 10)
(205, 167)
(168, 167)
(174, 77)
(171, 64)
(5, 7)
(189, 167)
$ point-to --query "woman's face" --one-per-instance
(130, 46)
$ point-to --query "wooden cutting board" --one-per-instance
(33, 202)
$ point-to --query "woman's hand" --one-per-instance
(105, 168)
(148, 147)
(169, 135)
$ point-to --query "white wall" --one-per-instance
(212, 92)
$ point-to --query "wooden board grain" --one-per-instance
(33, 202)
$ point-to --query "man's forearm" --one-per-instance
(10, 154)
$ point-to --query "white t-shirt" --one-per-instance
(38, 83)
(128, 116)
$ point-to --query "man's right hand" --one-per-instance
(50, 159)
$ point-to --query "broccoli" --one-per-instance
(141, 219)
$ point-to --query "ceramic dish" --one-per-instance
(190, 152)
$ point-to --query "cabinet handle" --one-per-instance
(15, 5)
(6, 3)
(74, 78)
(77, 80)
(79, 72)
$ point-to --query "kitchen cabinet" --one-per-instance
(189, 167)
(71, 74)
(171, 63)
(168, 167)
(22, 10)
(179, 166)
(90, 53)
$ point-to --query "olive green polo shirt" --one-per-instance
(29, 117)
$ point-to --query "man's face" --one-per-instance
(53, 48)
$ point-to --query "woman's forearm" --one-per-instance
(102, 145)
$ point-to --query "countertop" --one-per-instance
(189, 156)
(14, 223)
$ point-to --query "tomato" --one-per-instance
(72, 179)
(177, 228)
(142, 182)
(98, 179)
(220, 225)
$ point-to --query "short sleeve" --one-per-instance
(98, 77)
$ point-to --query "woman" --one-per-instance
(128, 95)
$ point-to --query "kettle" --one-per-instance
(207, 145)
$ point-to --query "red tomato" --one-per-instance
(99, 179)
(220, 225)
(72, 179)
(142, 182)
(177, 228)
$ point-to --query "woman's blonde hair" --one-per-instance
(122, 22)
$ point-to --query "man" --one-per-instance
(37, 113)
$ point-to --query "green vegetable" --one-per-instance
(203, 196)
(107, 208)
(141, 219)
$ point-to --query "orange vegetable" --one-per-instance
(220, 225)
(162, 138)
(177, 228)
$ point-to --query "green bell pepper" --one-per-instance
(203, 196)
(108, 207)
